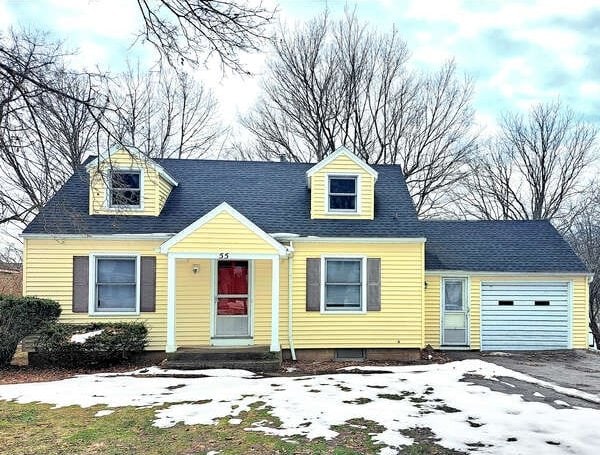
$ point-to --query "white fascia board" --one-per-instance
(223, 207)
(152, 236)
(340, 151)
(487, 273)
(139, 155)
(358, 239)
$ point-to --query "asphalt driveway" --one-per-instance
(576, 369)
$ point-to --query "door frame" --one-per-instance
(467, 310)
(232, 341)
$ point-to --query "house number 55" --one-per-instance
(223, 255)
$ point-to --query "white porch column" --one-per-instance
(275, 304)
(171, 281)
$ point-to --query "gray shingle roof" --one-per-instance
(271, 194)
(275, 197)
(498, 246)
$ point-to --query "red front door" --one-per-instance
(231, 318)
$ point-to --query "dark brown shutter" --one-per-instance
(148, 284)
(313, 284)
(373, 284)
(81, 268)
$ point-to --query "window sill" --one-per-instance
(124, 208)
(343, 312)
(115, 314)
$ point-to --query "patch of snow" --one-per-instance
(213, 452)
(508, 384)
(443, 401)
(235, 421)
(539, 395)
(561, 403)
(83, 337)
(214, 372)
(291, 369)
(104, 412)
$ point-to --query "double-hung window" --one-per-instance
(342, 194)
(343, 284)
(115, 284)
(125, 189)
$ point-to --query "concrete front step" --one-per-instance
(252, 358)
(251, 353)
(257, 366)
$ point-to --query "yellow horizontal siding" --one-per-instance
(432, 311)
(193, 302)
(154, 192)
(223, 234)
(398, 324)
(580, 312)
(319, 190)
(49, 274)
(162, 193)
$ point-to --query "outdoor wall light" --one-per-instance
(195, 269)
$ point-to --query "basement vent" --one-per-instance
(506, 302)
(349, 354)
(542, 303)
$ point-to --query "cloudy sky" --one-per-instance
(518, 52)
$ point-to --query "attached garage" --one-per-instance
(525, 315)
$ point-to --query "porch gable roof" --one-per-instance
(211, 215)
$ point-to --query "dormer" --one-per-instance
(126, 182)
(342, 186)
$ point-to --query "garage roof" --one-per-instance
(498, 246)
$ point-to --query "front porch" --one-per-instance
(223, 285)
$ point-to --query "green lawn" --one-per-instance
(38, 429)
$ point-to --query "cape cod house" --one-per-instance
(325, 259)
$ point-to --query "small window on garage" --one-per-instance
(349, 354)
(542, 303)
(505, 302)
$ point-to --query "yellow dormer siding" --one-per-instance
(155, 184)
(342, 163)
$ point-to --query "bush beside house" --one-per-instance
(93, 344)
(20, 317)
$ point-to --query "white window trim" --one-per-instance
(108, 193)
(92, 284)
(363, 290)
(330, 211)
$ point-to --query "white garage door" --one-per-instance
(524, 315)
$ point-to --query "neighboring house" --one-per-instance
(11, 278)
(328, 256)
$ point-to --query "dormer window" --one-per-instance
(342, 193)
(125, 189)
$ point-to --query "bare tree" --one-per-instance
(162, 113)
(534, 169)
(341, 83)
(42, 140)
(584, 235)
(190, 31)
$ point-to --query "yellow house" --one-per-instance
(325, 259)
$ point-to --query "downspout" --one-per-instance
(290, 325)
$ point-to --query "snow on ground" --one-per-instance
(458, 412)
(82, 337)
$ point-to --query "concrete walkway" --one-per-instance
(578, 369)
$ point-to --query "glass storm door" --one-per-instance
(455, 312)
(232, 302)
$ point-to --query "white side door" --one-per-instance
(455, 312)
